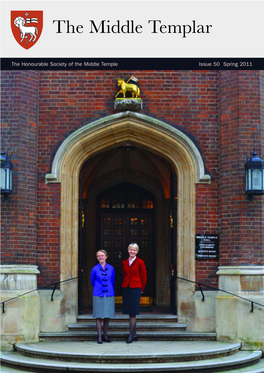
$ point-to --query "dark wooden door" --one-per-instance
(117, 231)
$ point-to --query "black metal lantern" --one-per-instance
(254, 173)
(6, 174)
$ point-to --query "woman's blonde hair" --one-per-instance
(101, 251)
(135, 245)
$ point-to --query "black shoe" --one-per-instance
(99, 341)
(106, 339)
(135, 338)
(129, 340)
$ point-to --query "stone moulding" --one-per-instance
(133, 119)
(239, 270)
(19, 268)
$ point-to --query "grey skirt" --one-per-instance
(103, 307)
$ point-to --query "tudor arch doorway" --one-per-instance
(148, 133)
(126, 214)
(126, 198)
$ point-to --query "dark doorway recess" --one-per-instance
(125, 214)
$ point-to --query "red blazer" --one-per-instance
(135, 275)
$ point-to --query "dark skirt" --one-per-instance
(131, 300)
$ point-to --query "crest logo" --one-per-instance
(27, 26)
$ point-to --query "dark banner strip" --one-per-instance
(132, 64)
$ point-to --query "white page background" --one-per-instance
(237, 30)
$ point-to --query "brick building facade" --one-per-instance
(51, 115)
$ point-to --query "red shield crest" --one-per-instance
(27, 26)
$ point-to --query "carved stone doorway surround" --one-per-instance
(150, 134)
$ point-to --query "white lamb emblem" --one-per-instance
(25, 30)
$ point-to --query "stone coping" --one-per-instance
(241, 270)
(19, 269)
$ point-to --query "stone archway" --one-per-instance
(150, 134)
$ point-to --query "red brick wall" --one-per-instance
(19, 134)
(241, 123)
(48, 253)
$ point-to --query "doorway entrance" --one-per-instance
(162, 142)
(126, 214)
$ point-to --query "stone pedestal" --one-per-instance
(18, 277)
(128, 104)
(234, 319)
(20, 321)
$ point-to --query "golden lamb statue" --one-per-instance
(125, 87)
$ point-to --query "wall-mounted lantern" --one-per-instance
(6, 174)
(254, 173)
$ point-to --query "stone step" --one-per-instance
(124, 326)
(138, 352)
(82, 335)
(121, 357)
(256, 368)
(119, 318)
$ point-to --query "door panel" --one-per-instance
(140, 231)
(117, 231)
(113, 241)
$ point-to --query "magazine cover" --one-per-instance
(132, 183)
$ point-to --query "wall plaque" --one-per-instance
(206, 246)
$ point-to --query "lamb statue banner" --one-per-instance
(27, 26)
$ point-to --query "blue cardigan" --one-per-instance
(103, 281)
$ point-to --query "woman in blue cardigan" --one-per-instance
(103, 281)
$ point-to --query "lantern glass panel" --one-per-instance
(3, 178)
(10, 178)
(256, 179)
(248, 180)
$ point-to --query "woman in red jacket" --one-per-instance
(134, 281)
